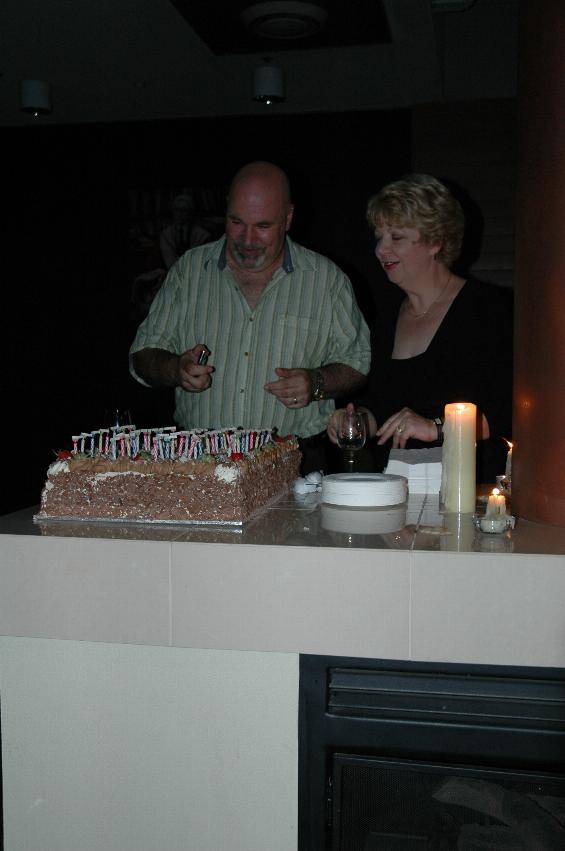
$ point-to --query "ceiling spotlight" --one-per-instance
(36, 97)
(268, 83)
(284, 19)
(452, 5)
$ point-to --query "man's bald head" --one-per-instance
(267, 176)
(258, 216)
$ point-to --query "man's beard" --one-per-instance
(254, 261)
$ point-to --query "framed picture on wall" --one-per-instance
(163, 224)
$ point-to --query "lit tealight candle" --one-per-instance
(496, 506)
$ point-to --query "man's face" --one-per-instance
(258, 218)
(181, 213)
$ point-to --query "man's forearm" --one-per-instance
(339, 380)
(157, 367)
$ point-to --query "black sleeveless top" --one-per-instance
(469, 359)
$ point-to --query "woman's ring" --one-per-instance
(399, 429)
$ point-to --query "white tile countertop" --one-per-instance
(433, 589)
(149, 675)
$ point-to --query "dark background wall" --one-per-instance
(66, 322)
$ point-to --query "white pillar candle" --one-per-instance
(508, 470)
(458, 533)
(496, 505)
(458, 485)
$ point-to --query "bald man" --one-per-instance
(254, 330)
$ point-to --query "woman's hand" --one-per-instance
(332, 424)
(405, 424)
(331, 427)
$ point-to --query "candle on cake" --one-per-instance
(458, 485)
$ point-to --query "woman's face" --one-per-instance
(402, 254)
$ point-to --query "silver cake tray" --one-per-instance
(232, 524)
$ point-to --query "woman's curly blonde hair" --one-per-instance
(422, 202)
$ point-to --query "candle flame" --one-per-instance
(495, 492)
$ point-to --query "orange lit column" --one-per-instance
(538, 464)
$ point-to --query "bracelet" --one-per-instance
(439, 426)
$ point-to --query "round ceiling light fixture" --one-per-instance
(283, 19)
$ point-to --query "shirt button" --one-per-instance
(242, 390)
(246, 354)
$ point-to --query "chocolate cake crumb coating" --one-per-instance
(214, 489)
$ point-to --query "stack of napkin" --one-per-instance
(422, 468)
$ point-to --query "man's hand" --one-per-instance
(160, 368)
(293, 388)
(193, 376)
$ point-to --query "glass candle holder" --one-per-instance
(494, 524)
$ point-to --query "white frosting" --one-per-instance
(58, 467)
(226, 474)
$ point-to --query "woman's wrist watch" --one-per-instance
(439, 426)
(318, 386)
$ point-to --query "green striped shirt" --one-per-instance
(306, 317)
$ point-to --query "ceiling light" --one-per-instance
(452, 5)
(36, 97)
(283, 19)
(268, 83)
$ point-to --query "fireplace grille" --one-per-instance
(406, 756)
(384, 805)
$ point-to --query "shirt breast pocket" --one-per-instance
(295, 340)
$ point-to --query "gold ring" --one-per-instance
(399, 429)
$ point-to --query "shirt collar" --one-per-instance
(286, 263)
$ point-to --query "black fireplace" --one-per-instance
(397, 756)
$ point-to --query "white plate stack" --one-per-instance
(364, 489)
(363, 521)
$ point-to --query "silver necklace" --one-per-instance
(427, 310)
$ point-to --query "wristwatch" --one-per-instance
(318, 386)
(439, 426)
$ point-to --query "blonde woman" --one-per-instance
(443, 338)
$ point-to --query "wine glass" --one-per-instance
(351, 434)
